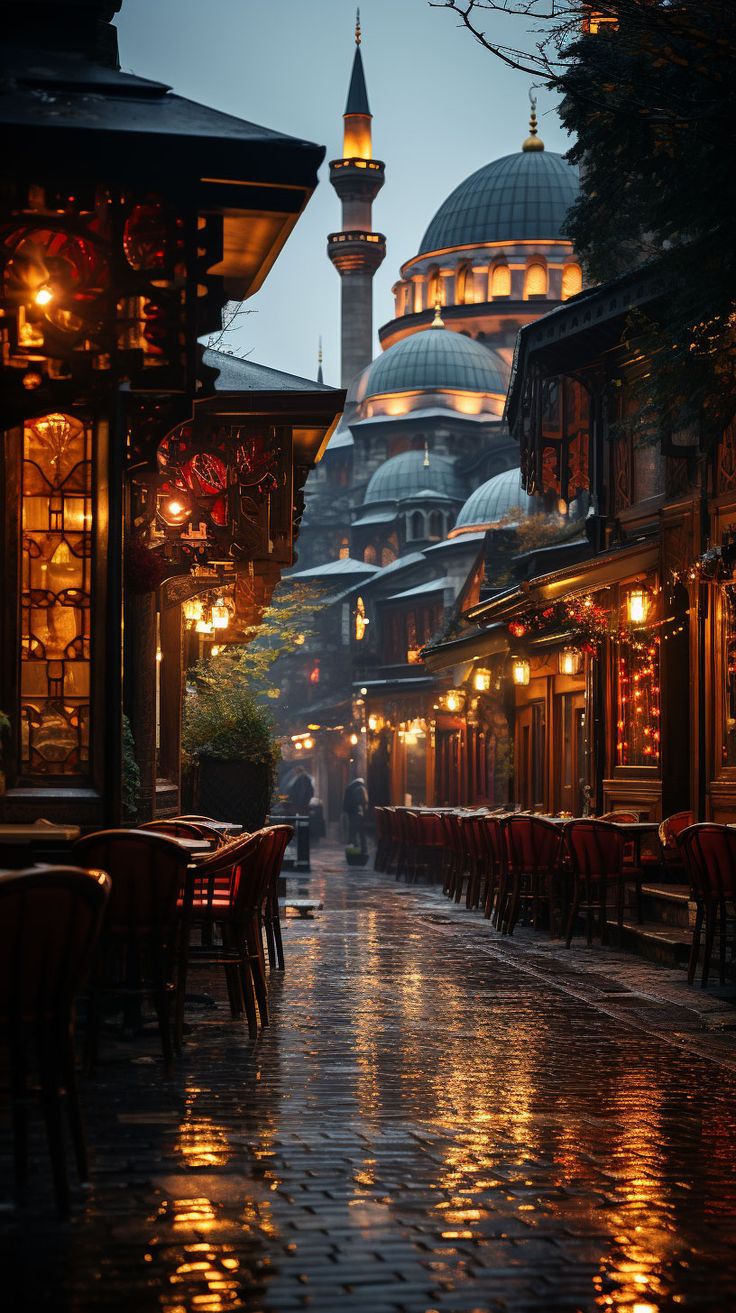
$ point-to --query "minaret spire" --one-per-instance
(533, 141)
(320, 375)
(356, 251)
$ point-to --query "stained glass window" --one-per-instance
(638, 704)
(56, 493)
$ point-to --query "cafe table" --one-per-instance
(22, 845)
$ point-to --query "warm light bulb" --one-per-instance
(482, 681)
(174, 507)
(638, 604)
(44, 295)
(298, 747)
(452, 702)
(372, 723)
(520, 672)
(308, 744)
(159, 654)
(220, 615)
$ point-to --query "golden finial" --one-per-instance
(438, 321)
(426, 455)
(357, 27)
(533, 141)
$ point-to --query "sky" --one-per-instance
(442, 107)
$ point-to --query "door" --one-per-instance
(570, 766)
(530, 754)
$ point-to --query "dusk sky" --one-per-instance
(442, 107)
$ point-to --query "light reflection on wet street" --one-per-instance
(426, 1125)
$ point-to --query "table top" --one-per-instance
(224, 827)
(36, 833)
(190, 845)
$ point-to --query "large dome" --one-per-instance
(520, 197)
(410, 473)
(501, 498)
(433, 359)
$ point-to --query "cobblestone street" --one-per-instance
(436, 1119)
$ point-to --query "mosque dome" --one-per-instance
(521, 197)
(436, 359)
(413, 472)
(501, 498)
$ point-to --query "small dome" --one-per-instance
(525, 196)
(411, 473)
(433, 359)
(501, 498)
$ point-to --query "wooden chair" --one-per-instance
(50, 918)
(227, 895)
(495, 870)
(709, 853)
(596, 849)
(672, 858)
(145, 931)
(532, 847)
(179, 828)
(275, 842)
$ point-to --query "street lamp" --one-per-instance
(520, 671)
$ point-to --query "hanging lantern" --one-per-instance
(308, 745)
(203, 627)
(193, 610)
(220, 615)
(174, 507)
(482, 680)
(373, 724)
(452, 701)
(637, 602)
(570, 661)
(354, 740)
(520, 671)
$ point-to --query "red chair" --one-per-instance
(229, 888)
(597, 851)
(144, 935)
(670, 828)
(532, 859)
(50, 921)
(454, 856)
(495, 869)
(381, 858)
(709, 853)
(278, 838)
(178, 828)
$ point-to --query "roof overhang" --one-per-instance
(478, 644)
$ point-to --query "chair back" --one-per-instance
(148, 873)
(493, 840)
(532, 844)
(709, 852)
(178, 828)
(50, 919)
(596, 848)
(669, 829)
(225, 882)
(620, 818)
(275, 839)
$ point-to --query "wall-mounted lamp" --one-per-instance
(220, 615)
(175, 508)
(637, 602)
(521, 671)
(193, 610)
(570, 661)
(482, 680)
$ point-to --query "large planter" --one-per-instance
(238, 791)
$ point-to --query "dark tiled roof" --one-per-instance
(407, 474)
(238, 375)
(519, 197)
(501, 496)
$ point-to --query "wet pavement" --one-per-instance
(437, 1119)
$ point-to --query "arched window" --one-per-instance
(344, 551)
(370, 555)
(408, 298)
(536, 280)
(435, 289)
(436, 524)
(361, 620)
(465, 286)
(501, 281)
(416, 524)
(387, 555)
(572, 281)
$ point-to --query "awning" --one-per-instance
(478, 644)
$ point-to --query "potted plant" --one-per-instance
(355, 856)
(230, 750)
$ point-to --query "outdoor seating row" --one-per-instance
(551, 870)
(122, 921)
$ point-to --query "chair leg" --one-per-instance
(695, 945)
(51, 1106)
(161, 1003)
(571, 916)
(249, 998)
(270, 940)
(276, 923)
(255, 954)
(710, 931)
(722, 941)
(76, 1126)
(19, 1107)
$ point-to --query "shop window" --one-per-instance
(536, 280)
(56, 610)
(572, 281)
(638, 719)
(501, 281)
(729, 674)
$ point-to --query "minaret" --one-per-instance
(356, 251)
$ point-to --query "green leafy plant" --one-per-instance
(223, 719)
(131, 774)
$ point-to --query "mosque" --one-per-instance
(418, 497)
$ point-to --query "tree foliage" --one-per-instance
(647, 92)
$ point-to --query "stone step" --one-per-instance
(668, 904)
(668, 945)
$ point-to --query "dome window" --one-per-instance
(435, 289)
(501, 281)
(572, 281)
(536, 281)
(417, 525)
(465, 287)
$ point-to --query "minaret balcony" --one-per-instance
(356, 252)
(355, 179)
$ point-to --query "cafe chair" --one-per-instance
(229, 886)
(275, 842)
(180, 828)
(596, 850)
(709, 854)
(50, 918)
(672, 858)
(381, 822)
(144, 934)
(532, 847)
(495, 868)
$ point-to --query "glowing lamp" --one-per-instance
(44, 296)
(203, 627)
(520, 671)
(298, 746)
(637, 602)
(308, 744)
(452, 702)
(193, 610)
(570, 661)
(220, 615)
(354, 740)
(482, 680)
(175, 508)
(159, 654)
(372, 724)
